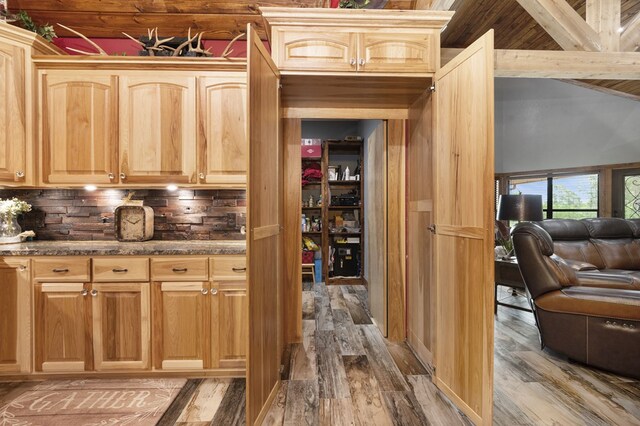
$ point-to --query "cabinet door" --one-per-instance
(121, 326)
(397, 52)
(79, 127)
(13, 136)
(332, 49)
(464, 195)
(229, 324)
(62, 327)
(157, 129)
(222, 137)
(15, 316)
(181, 330)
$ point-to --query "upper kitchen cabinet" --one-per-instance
(222, 138)
(79, 125)
(17, 87)
(376, 42)
(157, 128)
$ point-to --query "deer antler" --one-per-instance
(188, 42)
(82, 36)
(136, 40)
(198, 48)
(227, 51)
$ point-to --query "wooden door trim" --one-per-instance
(265, 232)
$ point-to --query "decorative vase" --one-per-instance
(9, 227)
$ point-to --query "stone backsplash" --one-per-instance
(180, 215)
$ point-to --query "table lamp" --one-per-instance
(520, 207)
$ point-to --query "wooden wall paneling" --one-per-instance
(13, 114)
(62, 327)
(79, 127)
(222, 140)
(421, 286)
(15, 315)
(375, 208)
(157, 128)
(121, 326)
(292, 132)
(264, 255)
(396, 230)
(464, 220)
(181, 325)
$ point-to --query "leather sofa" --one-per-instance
(583, 282)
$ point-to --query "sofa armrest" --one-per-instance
(579, 266)
(608, 280)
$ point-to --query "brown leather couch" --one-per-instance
(583, 282)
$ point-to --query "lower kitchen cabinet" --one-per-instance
(15, 316)
(62, 327)
(180, 325)
(229, 324)
(121, 326)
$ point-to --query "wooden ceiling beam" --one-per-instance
(630, 38)
(604, 17)
(564, 24)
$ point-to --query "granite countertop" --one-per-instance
(111, 248)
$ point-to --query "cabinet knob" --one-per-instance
(94, 292)
(111, 176)
(19, 174)
(362, 61)
(204, 291)
(84, 292)
(352, 61)
(201, 176)
(123, 176)
(214, 291)
(22, 268)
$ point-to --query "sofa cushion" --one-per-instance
(635, 227)
(593, 301)
(619, 253)
(565, 229)
(608, 227)
(583, 251)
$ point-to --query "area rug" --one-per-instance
(139, 402)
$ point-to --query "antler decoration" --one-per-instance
(100, 51)
(227, 51)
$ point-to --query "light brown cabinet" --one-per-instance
(229, 324)
(157, 134)
(15, 316)
(62, 327)
(79, 127)
(339, 49)
(222, 139)
(13, 131)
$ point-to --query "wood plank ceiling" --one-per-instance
(222, 19)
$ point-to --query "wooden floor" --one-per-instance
(345, 372)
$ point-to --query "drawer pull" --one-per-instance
(60, 270)
(239, 269)
(120, 270)
(179, 270)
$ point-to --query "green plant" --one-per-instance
(353, 4)
(46, 31)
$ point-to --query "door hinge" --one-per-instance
(432, 88)
(432, 228)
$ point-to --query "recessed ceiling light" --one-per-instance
(172, 187)
(90, 188)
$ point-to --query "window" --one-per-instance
(626, 193)
(563, 196)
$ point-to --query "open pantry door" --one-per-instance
(464, 220)
(264, 220)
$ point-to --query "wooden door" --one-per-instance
(121, 326)
(79, 113)
(397, 52)
(13, 115)
(15, 316)
(331, 49)
(464, 218)
(157, 128)
(264, 219)
(421, 286)
(181, 325)
(222, 127)
(62, 327)
(229, 324)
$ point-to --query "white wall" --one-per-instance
(547, 124)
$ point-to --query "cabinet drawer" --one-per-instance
(225, 268)
(57, 269)
(114, 269)
(179, 269)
